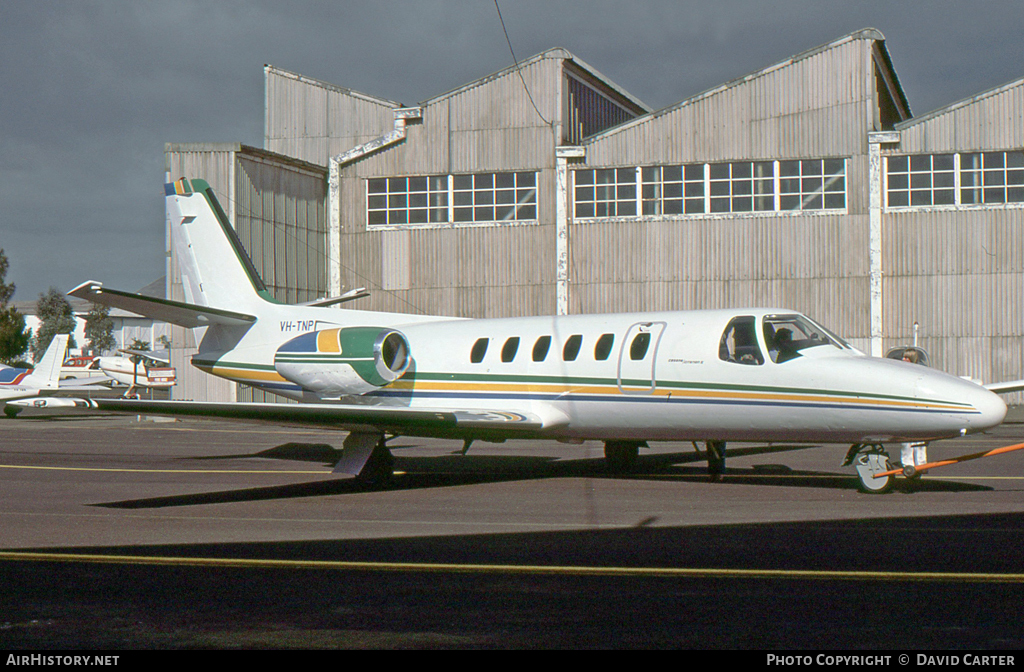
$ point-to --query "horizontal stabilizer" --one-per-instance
(440, 422)
(164, 310)
(334, 300)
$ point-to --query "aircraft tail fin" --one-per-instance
(47, 372)
(216, 271)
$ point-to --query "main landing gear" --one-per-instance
(366, 456)
(620, 456)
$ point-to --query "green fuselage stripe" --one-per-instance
(455, 378)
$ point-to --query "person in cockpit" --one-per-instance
(784, 345)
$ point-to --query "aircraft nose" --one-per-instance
(978, 409)
(991, 408)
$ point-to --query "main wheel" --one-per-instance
(620, 456)
(378, 471)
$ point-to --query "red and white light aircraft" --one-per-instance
(750, 374)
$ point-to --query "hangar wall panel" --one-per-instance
(312, 120)
(958, 271)
(816, 106)
(277, 206)
(813, 107)
(991, 120)
(213, 163)
(800, 263)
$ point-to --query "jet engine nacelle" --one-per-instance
(344, 361)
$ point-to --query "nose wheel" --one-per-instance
(870, 461)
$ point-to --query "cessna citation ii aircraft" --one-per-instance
(625, 379)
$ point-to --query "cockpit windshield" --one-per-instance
(787, 335)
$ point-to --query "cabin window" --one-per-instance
(603, 348)
(479, 350)
(540, 348)
(572, 348)
(508, 351)
(638, 348)
(739, 342)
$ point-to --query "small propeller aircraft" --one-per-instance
(150, 369)
(24, 387)
(750, 374)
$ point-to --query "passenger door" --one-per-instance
(638, 357)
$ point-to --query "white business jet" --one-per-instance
(625, 379)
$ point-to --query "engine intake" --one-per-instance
(345, 361)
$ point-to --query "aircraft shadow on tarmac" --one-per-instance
(455, 469)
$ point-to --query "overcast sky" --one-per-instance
(91, 91)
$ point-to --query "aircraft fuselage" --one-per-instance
(642, 376)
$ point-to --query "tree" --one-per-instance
(6, 288)
(139, 344)
(14, 337)
(99, 329)
(55, 317)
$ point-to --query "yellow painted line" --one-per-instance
(566, 570)
(162, 471)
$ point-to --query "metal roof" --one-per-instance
(864, 34)
(977, 98)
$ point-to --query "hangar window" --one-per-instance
(922, 179)
(443, 199)
(606, 192)
(742, 187)
(812, 184)
(717, 188)
(407, 200)
(673, 190)
(969, 179)
(494, 197)
(992, 177)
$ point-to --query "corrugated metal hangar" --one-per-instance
(546, 188)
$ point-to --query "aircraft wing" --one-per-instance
(17, 392)
(355, 417)
(183, 314)
(83, 385)
(160, 356)
(1008, 386)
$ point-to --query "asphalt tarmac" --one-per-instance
(121, 533)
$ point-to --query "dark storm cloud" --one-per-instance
(93, 90)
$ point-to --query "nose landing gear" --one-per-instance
(873, 469)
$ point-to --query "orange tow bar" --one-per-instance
(955, 460)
